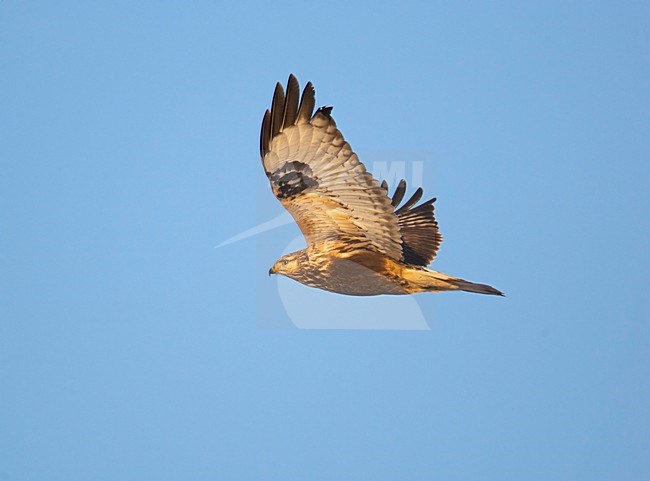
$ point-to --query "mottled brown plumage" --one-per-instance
(359, 241)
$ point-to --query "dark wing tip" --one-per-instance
(291, 102)
(399, 193)
(417, 195)
(265, 134)
(277, 109)
(287, 109)
(307, 104)
(427, 203)
(418, 227)
(326, 111)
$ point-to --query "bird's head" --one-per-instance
(289, 265)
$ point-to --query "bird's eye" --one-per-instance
(285, 262)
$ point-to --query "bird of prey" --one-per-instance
(360, 241)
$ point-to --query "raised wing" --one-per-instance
(317, 177)
(418, 226)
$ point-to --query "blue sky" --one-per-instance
(131, 348)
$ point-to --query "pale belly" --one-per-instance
(348, 277)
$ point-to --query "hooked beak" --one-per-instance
(271, 271)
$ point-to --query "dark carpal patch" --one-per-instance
(291, 179)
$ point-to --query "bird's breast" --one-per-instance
(360, 275)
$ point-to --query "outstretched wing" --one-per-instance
(418, 226)
(317, 177)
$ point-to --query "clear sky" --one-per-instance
(132, 349)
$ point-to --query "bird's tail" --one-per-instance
(431, 281)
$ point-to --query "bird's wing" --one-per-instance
(315, 174)
(418, 226)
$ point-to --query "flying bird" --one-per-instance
(360, 241)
